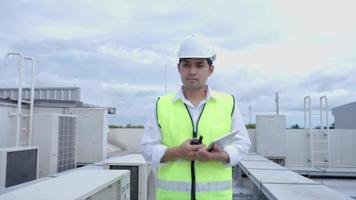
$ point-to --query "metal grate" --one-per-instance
(21, 167)
(112, 191)
(134, 179)
(66, 143)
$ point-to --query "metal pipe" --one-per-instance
(19, 95)
(321, 114)
(32, 59)
(326, 112)
(277, 103)
(250, 115)
(307, 99)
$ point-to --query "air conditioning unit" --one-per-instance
(142, 175)
(18, 165)
(271, 128)
(77, 185)
(55, 135)
(92, 129)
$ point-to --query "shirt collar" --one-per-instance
(209, 94)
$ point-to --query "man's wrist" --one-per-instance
(224, 157)
(172, 153)
(176, 152)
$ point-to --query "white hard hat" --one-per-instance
(196, 46)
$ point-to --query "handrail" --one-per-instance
(19, 95)
(307, 100)
(326, 121)
(32, 59)
(326, 113)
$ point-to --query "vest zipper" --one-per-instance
(192, 163)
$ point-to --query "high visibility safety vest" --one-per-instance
(182, 179)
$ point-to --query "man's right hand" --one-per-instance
(184, 151)
(187, 151)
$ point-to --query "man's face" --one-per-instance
(194, 72)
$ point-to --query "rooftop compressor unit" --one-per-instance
(77, 185)
(17, 165)
(55, 135)
(142, 175)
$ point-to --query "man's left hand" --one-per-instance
(216, 154)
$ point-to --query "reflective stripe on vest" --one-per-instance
(200, 187)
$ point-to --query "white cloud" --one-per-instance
(120, 49)
(284, 58)
(331, 18)
(136, 55)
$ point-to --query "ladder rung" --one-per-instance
(320, 141)
(13, 114)
(25, 101)
(320, 152)
(320, 162)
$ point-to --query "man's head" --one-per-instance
(195, 64)
(194, 72)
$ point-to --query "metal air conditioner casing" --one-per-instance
(18, 165)
(142, 175)
(55, 135)
(77, 185)
(92, 134)
(271, 135)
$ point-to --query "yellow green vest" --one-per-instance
(212, 179)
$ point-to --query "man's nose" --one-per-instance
(192, 71)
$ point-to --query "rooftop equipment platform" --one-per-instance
(279, 183)
(80, 184)
(326, 172)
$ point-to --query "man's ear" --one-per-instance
(178, 67)
(211, 69)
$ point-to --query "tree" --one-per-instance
(114, 126)
(296, 126)
(126, 126)
(133, 126)
(250, 126)
(332, 126)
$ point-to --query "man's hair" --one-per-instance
(210, 62)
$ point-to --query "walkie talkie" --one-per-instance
(196, 141)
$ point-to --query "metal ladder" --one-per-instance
(319, 140)
(20, 130)
(323, 140)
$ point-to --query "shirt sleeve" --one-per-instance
(239, 148)
(151, 141)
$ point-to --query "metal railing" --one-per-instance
(19, 113)
(308, 125)
(325, 130)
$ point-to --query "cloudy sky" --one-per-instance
(116, 51)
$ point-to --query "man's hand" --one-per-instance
(184, 151)
(188, 151)
(216, 154)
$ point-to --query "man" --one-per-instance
(187, 170)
